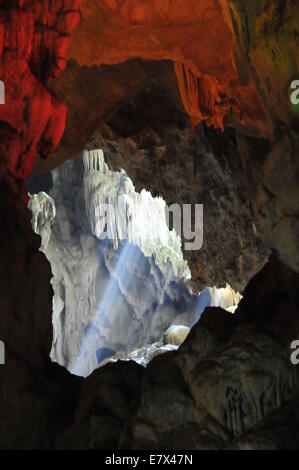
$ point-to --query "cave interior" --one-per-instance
(138, 339)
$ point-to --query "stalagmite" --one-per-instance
(225, 298)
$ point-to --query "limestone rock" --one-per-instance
(215, 179)
(33, 45)
(43, 211)
(176, 334)
(117, 212)
(225, 298)
(108, 295)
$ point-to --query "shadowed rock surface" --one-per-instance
(196, 397)
(157, 154)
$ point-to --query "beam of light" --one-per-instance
(203, 300)
(108, 301)
(159, 306)
(120, 280)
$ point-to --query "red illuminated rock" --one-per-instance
(34, 37)
(195, 35)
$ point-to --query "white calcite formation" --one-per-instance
(115, 209)
(43, 211)
(113, 299)
(176, 334)
(225, 298)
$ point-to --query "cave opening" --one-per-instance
(116, 296)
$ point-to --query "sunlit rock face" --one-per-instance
(113, 207)
(162, 154)
(43, 211)
(231, 385)
(225, 298)
(113, 298)
(108, 300)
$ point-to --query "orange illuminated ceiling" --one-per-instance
(195, 34)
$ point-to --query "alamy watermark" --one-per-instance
(294, 97)
(2, 92)
(2, 353)
(295, 354)
(119, 220)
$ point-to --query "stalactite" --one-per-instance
(201, 97)
(137, 217)
(188, 86)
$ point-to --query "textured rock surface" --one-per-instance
(274, 193)
(111, 298)
(28, 417)
(249, 58)
(112, 32)
(115, 211)
(43, 211)
(266, 43)
(106, 298)
(258, 62)
(39, 398)
(228, 386)
(158, 157)
(34, 37)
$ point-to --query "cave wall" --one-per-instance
(231, 384)
(248, 87)
(119, 295)
(112, 296)
(34, 37)
(40, 404)
(166, 30)
(36, 396)
(158, 151)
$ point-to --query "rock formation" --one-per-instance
(116, 211)
(157, 157)
(113, 297)
(34, 37)
(197, 396)
(227, 64)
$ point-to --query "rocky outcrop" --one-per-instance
(113, 298)
(247, 88)
(34, 37)
(35, 393)
(50, 408)
(115, 211)
(159, 156)
(265, 45)
(43, 211)
(241, 77)
(273, 191)
(231, 383)
(110, 33)
(196, 397)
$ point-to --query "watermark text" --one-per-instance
(295, 94)
(2, 92)
(2, 353)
